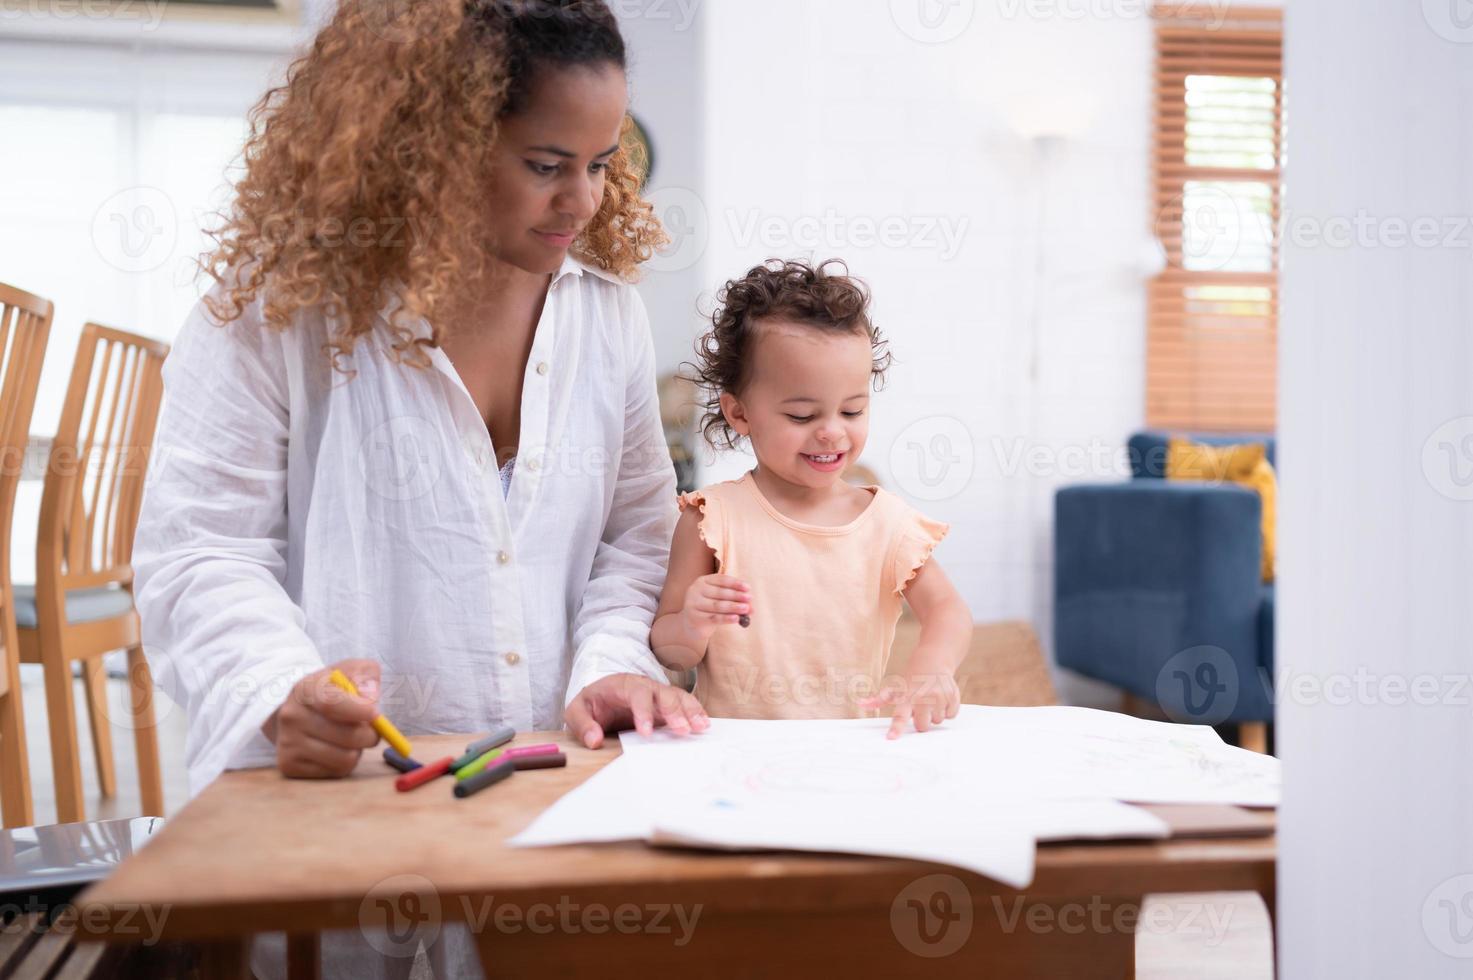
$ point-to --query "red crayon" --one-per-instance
(423, 774)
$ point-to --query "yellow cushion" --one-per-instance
(1187, 460)
(1245, 464)
(1263, 479)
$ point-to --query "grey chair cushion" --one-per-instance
(82, 605)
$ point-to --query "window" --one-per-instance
(114, 157)
(109, 179)
(220, 11)
(1212, 314)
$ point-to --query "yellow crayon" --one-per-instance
(382, 725)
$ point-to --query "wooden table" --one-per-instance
(258, 853)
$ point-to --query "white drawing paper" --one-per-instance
(977, 793)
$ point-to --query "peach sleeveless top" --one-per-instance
(824, 602)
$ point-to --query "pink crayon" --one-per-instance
(523, 751)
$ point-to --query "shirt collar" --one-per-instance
(570, 267)
(576, 267)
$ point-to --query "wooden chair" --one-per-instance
(82, 605)
(25, 324)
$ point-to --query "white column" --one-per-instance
(1376, 515)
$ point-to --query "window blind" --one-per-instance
(1212, 313)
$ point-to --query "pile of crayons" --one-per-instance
(485, 762)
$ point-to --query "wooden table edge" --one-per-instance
(1066, 870)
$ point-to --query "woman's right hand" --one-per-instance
(715, 600)
(321, 730)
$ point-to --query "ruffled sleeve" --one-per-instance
(916, 538)
(713, 521)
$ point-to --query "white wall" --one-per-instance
(1376, 510)
(832, 109)
(666, 81)
(124, 156)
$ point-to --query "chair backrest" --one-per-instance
(1148, 449)
(95, 474)
(25, 325)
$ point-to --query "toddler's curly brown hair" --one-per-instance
(823, 296)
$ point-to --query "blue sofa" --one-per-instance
(1157, 589)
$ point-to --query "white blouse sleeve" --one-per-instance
(222, 636)
(612, 629)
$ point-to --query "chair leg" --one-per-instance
(1253, 735)
(145, 733)
(15, 767)
(1131, 704)
(94, 682)
(61, 721)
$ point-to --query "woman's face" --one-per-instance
(550, 162)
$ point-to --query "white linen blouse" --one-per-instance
(295, 516)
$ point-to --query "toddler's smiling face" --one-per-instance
(805, 401)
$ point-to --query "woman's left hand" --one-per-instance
(927, 699)
(622, 701)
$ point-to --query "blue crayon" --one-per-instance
(400, 762)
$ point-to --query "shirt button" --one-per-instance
(542, 368)
(503, 557)
(513, 659)
(534, 464)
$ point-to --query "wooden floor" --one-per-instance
(128, 802)
(1222, 936)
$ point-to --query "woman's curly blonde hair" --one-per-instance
(360, 167)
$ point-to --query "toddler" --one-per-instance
(784, 586)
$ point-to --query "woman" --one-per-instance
(412, 431)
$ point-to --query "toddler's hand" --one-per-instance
(715, 600)
(925, 698)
